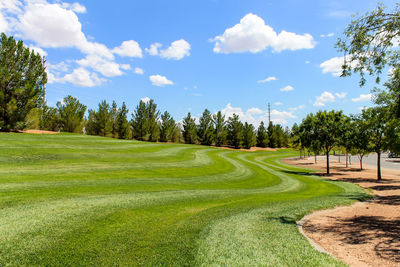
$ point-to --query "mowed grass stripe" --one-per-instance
(180, 205)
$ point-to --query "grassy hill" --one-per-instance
(72, 200)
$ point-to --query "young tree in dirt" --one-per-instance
(272, 138)
(235, 131)
(122, 124)
(49, 119)
(249, 138)
(71, 113)
(262, 138)
(220, 129)
(189, 129)
(206, 128)
(22, 83)
(359, 138)
(103, 119)
(296, 138)
(167, 127)
(113, 118)
(380, 132)
(327, 129)
(307, 135)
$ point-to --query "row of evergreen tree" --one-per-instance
(148, 124)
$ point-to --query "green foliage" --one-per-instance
(249, 138)
(71, 113)
(168, 127)
(262, 138)
(103, 119)
(22, 83)
(235, 131)
(206, 128)
(370, 45)
(50, 119)
(220, 129)
(32, 120)
(113, 118)
(145, 126)
(122, 124)
(271, 134)
(189, 129)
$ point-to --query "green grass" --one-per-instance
(71, 200)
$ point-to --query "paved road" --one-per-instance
(369, 162)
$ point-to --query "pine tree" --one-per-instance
(262, 138)
(249, 138)
(235, 131)
(189, 129)
(220, 129)
(206, 128)
(122, 124)
(167, 129)
(71, 113)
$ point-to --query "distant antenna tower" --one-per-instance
(269, 113)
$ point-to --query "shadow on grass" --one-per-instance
(366, 229)
(365, 180)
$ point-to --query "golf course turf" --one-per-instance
(73, 200)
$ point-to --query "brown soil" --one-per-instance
(253, 149)
(39, 132)
(366, 233)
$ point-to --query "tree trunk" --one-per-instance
(361, 167)
(339, 157)
(379, 165)
(327, 162)
(347, 161)
(315, 158)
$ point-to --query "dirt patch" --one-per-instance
(366, 233)
(39, 132)
(253, 149)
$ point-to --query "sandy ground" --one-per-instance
(252, 149)
(39, 132)
(366, 233)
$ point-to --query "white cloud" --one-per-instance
(38, 50)
(308, 62)
(178, 50)
(331, 34)
(76, 7)
(153, 50)
(324, 98)
(125, 66)
(363, 98)
(297, 108)
(341, 95)
(255, 115)
(145, 99)
(129, 49)
(3, 23)
(101, 65)
(253, 35)
(287, 88)
(158, 80)
(269, 79)
(334, 65)
(139, 71)
(278, 104)
(82, 77)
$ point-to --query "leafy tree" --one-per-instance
(91, 127)
(49, 119)
(177, 134)
(359, 138)
(189, 129)
(206, 128)
(272, 138)
(22, 83)
(296, 138)
(370, 43)
(262, 138)
(113, 117)
(380, 131)
(307, 135)
(71, 113)
(220, 131)
(249, 138)
(235, 131)
(168, 126)
(103, 119)
(122, 124)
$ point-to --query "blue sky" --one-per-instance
(229, 55)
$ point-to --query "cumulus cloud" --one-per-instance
(255, 115)
(297, 108)
(76, 7)
(341, 95)
(278, 104)
(139, 71)
(287, 88)
(334, 65)
(331, 34)
(324, 98)
(82, 77)
(129, 49)
(145, 99)
(269, 79)
(153, 49)
(158, 80)
(38, 50)
(178, 50)
(363, 98)
(253, 35)
(101, 65)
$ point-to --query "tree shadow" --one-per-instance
(388, 200)
(385, 187)
(365, 180)
(366, 229)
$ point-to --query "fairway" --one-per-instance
(73, 200)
